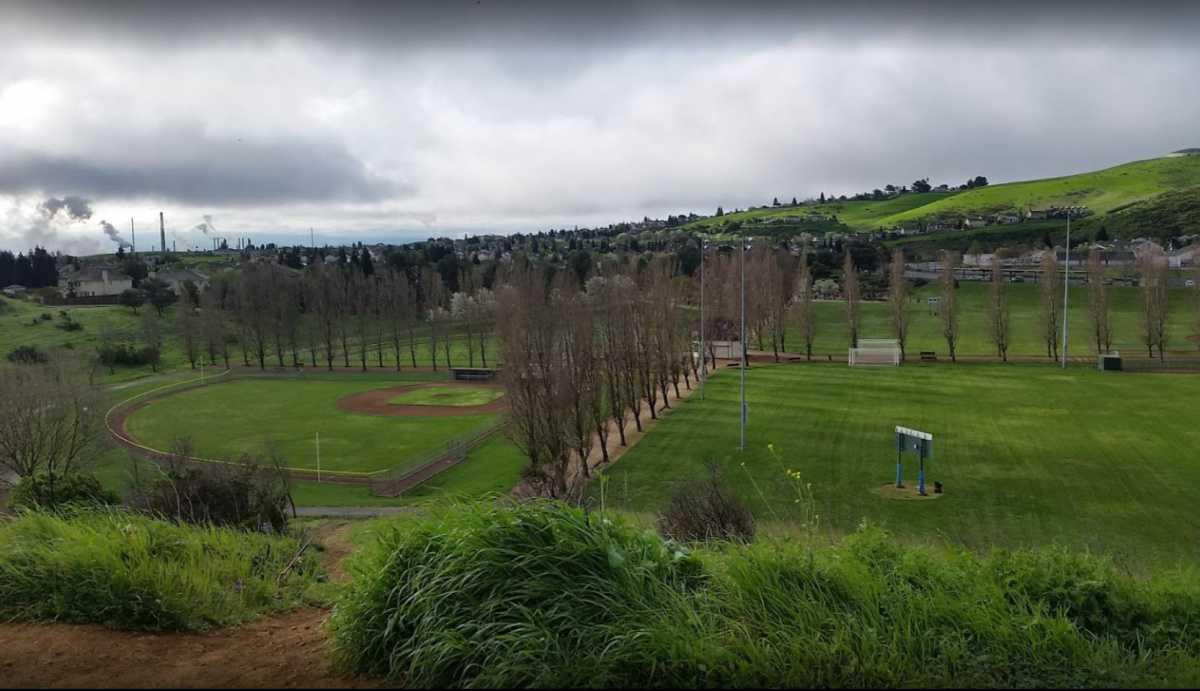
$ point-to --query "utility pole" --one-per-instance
(1066, 286)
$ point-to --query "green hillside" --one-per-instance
(1158, 197)
(1102, 191)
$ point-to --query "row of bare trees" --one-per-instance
(1152, 270)
(580, 363)
(336, 314)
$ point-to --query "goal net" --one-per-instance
(880, 352)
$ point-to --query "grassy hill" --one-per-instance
(1160, 196)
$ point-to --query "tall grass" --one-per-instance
(132, 572)
(544, 595)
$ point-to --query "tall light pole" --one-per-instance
(1066, 285)
(742, 344)
(703, 355)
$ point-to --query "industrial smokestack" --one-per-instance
(162, 233)
(132, 236)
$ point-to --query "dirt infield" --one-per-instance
(376, 402)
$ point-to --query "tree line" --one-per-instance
(336, 314)
(38, 269)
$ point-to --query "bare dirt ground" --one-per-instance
(375, 402)
(285, 651)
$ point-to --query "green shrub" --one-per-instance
(544, 595)
(528, 595)
(132, 572)
(27, 355)
(48, 490)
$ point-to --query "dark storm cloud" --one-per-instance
(188, 166)
(516, 25)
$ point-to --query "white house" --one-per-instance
(96, 280)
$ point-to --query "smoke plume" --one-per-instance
(114, 234)
(206, 226)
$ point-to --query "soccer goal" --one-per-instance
(879, 352)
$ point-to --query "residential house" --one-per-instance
(96, 280)
(1185, 257)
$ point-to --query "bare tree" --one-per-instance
(1152, 270)
(50, 419)
(898, 300)
(802, 306)
(397, 309)
(948, 307)
(531, 346)
(1050, 300)
(1098, 302)
(324, 300)
(214, 326)
(152, 338)
(998, 308)
(255, 314)
(1196, 303)
(188, 327)
(852, 292)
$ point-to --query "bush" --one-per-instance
(67, 323)
(249, 494)
(545, 595)
(128, 571)
(538, 594)
(705, 510)
(49, 490)
(27, 355)
(127, 354)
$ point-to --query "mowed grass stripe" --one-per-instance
(246, 415)
(1030, 455)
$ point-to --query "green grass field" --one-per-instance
(245, 415)
(448, 395)
(492, 468)
(1029, 454)
(925, 330)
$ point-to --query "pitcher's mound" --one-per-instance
(909, 491)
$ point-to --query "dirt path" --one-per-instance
(285, 651)
(376, 402)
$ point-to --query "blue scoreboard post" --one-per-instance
(920, 443)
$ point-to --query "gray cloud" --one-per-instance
(463, 117)
(75, 208)
(187, 165)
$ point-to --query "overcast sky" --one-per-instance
(399, 122)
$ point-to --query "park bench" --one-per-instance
(928, 356)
